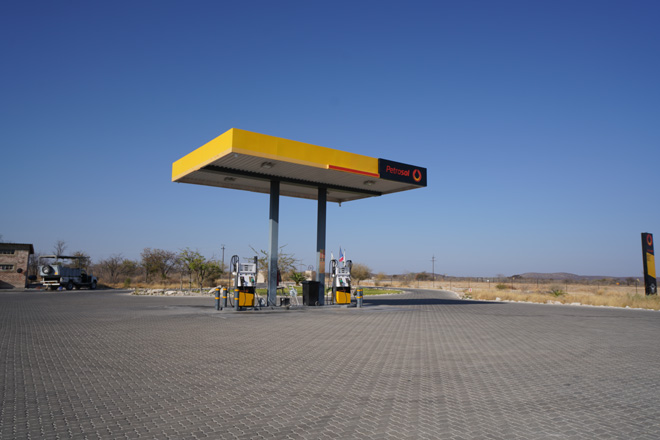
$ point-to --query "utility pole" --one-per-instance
(223, 260)
(433, 271)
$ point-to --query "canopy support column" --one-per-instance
(320, 243)
(273, 235)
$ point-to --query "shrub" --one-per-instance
(557, 291)
(501, 286)
(298, 277)
(127, 283)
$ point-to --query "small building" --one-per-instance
(14, 259)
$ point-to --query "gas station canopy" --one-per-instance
(244, 160)
(248, 161)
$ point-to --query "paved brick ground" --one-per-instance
(420, 365)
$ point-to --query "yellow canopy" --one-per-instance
(240, 159)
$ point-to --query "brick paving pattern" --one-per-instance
(421, 365)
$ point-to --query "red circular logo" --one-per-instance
(417, 175)
(649, 240)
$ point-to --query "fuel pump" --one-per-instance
(341, 281)
(245, 282)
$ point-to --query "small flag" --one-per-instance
(342, 257)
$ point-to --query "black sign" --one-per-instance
(401, 172)
(649, 264)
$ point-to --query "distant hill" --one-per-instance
(566, 276)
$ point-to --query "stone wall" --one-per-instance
(10, 277)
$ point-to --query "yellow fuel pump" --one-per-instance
(245, 282)
(341, 279)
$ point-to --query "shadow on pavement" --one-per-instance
(375, 301)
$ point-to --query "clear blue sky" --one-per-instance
(538, 122)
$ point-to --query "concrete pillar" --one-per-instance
(320, 243)
(273, 249)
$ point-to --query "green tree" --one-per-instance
(197, 264)
(190, 259)
(213, 272)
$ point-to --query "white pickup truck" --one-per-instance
(54, 274)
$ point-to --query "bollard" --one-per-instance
(217, 299)
(358, 295)
(236, 296)
(224, 298)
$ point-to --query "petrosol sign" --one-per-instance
(401, 172)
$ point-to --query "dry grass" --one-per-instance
(610, 295)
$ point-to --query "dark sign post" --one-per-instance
(649, 264)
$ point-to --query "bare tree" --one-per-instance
(158, 261)
(84, 259)
(112, 266)
(285, 262)
(33, 264)
(59, 247)
(360, 272)
(129, 267)
(380, 278)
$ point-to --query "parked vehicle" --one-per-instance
(56, 274)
